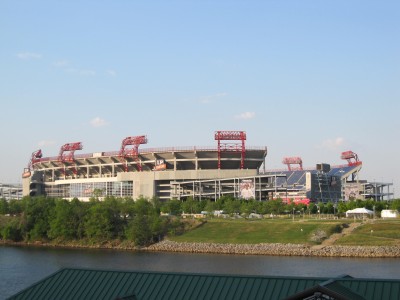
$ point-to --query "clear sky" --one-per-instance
(304, 78)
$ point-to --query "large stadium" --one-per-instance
(230, 168)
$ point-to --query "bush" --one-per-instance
(318, 236)
(12, 232)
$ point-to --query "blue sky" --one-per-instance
(304, 78)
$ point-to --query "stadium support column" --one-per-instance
(196, 161)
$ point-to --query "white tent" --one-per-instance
(359, 212)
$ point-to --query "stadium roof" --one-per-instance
(100, 284)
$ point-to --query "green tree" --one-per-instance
(68, 220)
(38, 212)
(313, 208)
(99, 222)
(276, 206)
(395, 205)
(172, 207)
(16, 207)
(12, 231)
(232, 206)
(146, 225)
(210, 206)
(189, 206)
(3, 207)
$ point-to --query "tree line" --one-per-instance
(230, 205)
(48, 219)
(138, 221)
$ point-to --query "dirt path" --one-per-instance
(334, 237)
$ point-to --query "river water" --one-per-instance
(22, 266)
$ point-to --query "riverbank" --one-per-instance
(268, 249)
(277, 249)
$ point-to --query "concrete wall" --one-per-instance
(144, 182)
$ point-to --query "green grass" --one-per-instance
(256, 231)
(380, 233)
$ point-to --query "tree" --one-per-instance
(15, 207)
(276, 206)
(172, 207)
(12, 231)
(232, 206)
(62, 224)
(210, 206)
(103, 220)
(146, 225)
(3, 207)
(395, 205)
(68, 219)
(189, 206)
(37, 216)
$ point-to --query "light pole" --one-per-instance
(334, 210)
(293, 213)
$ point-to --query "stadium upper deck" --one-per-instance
(133, 172)
(108, 164)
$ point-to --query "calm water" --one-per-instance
(22, 266)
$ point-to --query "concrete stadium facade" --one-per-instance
(161, 172)
(199, 172)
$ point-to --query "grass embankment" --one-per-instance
(311, 232)
(378, 233)
(260, 231)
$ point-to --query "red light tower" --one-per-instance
(351, 157)
(36, 155)
(124, 153)
(295, 160)
(70, 148)
(231, 146)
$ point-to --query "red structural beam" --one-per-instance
(35, 157)
(67, 152)
(239, 146)
(351, 157)
(70, 148)
(133, 152)
(230, 135)
(295, 160)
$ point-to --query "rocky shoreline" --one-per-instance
(277, 249)
(273, 249)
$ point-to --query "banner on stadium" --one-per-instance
(247, 189)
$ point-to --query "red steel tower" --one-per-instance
(231, 146)
(295, 160)
(351, 157)
(70, 148)
(36, 155)
(133, 152)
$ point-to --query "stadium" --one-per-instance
(230, 168)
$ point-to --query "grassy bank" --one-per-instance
(379, 233)
(310, 232)
(261, 231)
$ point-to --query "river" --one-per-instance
(23, 266)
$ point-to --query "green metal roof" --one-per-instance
(97, 284)
(100, 284)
